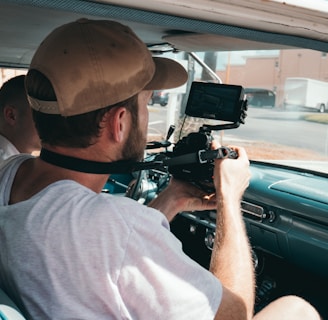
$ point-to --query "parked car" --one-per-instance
(259, 97)
(159, 97)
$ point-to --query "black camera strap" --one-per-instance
(88, 166)
(127, 166)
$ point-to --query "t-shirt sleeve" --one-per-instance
(158, 281)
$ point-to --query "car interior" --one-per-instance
(285, 207)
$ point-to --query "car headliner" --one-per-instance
(185, 24)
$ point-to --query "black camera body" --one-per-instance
(198, 173)
(210, 101)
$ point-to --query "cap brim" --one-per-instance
(168, 74)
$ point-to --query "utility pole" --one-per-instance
(210, 59)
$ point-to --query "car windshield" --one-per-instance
(287, 94)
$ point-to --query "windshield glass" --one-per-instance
(287, 94)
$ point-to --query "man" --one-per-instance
(71, 252)
(17, 130)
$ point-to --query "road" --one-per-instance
(270, 125)
(283, 127)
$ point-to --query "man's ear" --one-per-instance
(10, 115)
(119, 123)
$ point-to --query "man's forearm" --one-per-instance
(231, 258)
(166, 206)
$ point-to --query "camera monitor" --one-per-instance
(215, 101)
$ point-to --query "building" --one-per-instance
(270, 72)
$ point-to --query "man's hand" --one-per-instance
(182, 196)
(231, 176)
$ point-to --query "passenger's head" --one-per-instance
(16, 122)
(85, 68)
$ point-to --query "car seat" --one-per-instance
(8, 309)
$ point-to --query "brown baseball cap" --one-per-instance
(93, 64)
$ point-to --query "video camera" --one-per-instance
(192, 158)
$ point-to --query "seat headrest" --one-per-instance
(8, 309)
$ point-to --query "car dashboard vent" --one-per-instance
(252, 211)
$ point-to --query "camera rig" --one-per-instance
(192, 158)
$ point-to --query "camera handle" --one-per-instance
(218, 127)
(201, 156)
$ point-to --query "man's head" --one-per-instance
(84, 69)
(16, 122)
(92, 64)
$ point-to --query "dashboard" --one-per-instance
(286, 217)
(286, 214)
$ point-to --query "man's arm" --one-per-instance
(182, 196)
(231, 260)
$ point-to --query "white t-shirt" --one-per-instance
(76, 254)
(7, 149)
